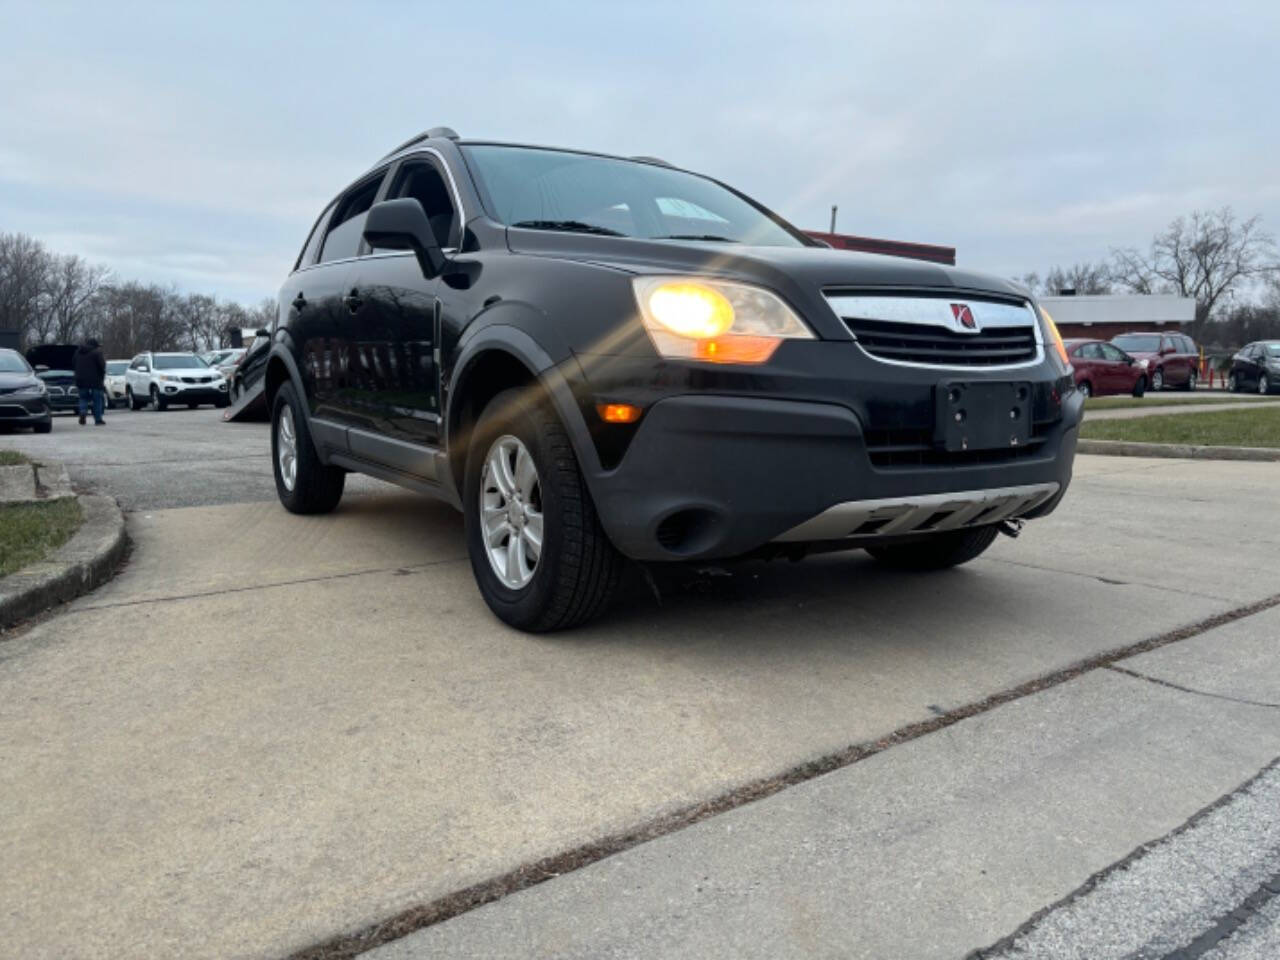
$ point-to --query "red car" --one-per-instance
(1172, 359)
(1102, 368)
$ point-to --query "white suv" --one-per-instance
(164, 378)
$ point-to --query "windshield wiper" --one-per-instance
(571, 226)
(698, 236)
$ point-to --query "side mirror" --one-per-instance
(402, 225)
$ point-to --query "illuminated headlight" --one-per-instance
(35, 390)
(1143, 364)
(715, 321)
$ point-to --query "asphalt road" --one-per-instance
(271, 730)
(155, 460)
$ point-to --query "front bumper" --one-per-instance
(194, 393)
(25, 412)
(719, 476)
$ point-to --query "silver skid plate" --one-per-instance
(895, 517)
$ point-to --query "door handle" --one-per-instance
(299, 302)
(353, 301)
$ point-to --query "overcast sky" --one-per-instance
(194, 143)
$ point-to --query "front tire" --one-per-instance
(540, 557)
(134, 402)
(303, 483)
(158, 403)
(1264, 385)
(938, 551)
(1233, 383)
(1140, 387)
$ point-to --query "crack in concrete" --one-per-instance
(349, 945)
(1199, 693)
(1006, 943)
(262, 586)
(1110, 581)
(1229, 922)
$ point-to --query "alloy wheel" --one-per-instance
(1085, 389)
(1157, 380)
(1263, 385)
(511, 512)
(287, 447)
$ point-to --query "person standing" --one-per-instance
(91, 371)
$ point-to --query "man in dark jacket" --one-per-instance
(91, 370)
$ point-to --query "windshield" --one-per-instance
(581, 193)
(178, 361)
(1138, 342)
(116, 368)
(12, 362)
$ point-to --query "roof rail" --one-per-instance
(658, 160)
(446, 133)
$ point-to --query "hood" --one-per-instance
(12, 381)
(824, 267)
(55, 356)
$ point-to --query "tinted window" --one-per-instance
(347, 223)
(557, 189)
(11, 362)
(421, 180)
(1138, 342)
(178, 361)
(1091, 351)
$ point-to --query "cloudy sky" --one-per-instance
(193, 143)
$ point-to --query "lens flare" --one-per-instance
(691, 310)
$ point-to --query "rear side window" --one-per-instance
(311, 249)
(346, 226)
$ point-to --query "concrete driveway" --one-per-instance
(270, 730)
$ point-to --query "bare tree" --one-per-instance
(1084, 278)
(24, 269)
(1206, 256)
(70, 287)
(202, 319)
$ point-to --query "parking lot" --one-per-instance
(269, 731)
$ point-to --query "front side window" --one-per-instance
(579, 192)
(346, 226)
(1091, 351)
(179, 361)
(311, 248)
(1271, 350)
(1110, 352)
(422, 181)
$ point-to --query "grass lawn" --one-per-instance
(1166, 399)
(11, 458)
(1224, 428)
(31, 531)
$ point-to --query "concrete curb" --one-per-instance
(1181, 451)
(85, 561)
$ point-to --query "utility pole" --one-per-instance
(833, 217)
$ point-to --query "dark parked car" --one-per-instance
(1102, 368)
(55, 364)
(251, 366)
(24, 398)
(596, 357)
(1256, 367)
(1172, 359)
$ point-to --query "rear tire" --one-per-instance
(1157, 380)
(1191, 381)
(1140, 387)
(1264, 385)
(308, 486)
(1233, 383)
(1085, 388)
(577, 569)
(939, 551)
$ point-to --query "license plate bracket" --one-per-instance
(982, 415)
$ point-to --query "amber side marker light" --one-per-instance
(618, 412)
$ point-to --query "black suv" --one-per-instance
(596, 357)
